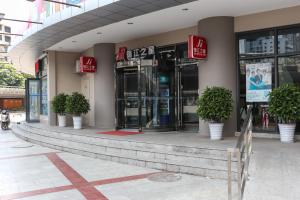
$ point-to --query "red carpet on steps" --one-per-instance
(120, 133)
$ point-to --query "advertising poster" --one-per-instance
(258, 82)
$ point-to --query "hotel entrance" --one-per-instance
(157, 92)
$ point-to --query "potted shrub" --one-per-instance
(284, 103)
(59, 107)
(215, 106)
(77, 104)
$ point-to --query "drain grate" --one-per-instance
(164, 177)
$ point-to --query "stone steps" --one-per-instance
(131, 145)
(191, 161)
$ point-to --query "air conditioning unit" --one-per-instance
(77, 67)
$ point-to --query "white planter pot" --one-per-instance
(287, 132)
(216, 130)
(62, 120)
(77, 122)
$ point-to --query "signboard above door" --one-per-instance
(125, 54)
(197, 47)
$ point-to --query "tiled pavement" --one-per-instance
(32, 172)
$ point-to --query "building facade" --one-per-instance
(5, 41)
(157, 86)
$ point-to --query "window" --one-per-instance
(256, 44)
(7, 39)
(7, 29)
(259, 47)
(0, 37)
(289, 69)
(289, 41)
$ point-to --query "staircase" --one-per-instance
(206, 162)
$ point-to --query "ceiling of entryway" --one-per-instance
(181, 16)
(161, 19)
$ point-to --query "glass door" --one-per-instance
(187, 97)
(127, 98)
(33, 98)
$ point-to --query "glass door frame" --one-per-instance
(137, 69)
(27, 99)
(180, 125)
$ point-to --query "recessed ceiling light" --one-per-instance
(74, 41)
(185, 9)
(129, 23)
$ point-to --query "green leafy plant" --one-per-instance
(284, 103)
(77, 104)
(59, 104)
(215, 104)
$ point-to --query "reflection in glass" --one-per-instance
(256, 44)
(289, 40)
(289, 72)
(34, 100)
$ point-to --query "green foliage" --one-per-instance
(77, 104)
(59, 104)
(10, 77)
(215, 104)
(285, 103)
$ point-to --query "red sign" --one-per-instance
(197, 47)
(88, 64)
(121, 55)
(37, 67)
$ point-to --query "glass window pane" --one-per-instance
(289, 40)
(289, 72)
(262, 121)
(289, 69)
(256, 44)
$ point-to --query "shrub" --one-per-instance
(59, 104)
(284, 103)
(77, 104)
(215, 104)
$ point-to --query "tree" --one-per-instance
(9, 76)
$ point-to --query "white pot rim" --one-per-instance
(287, 124)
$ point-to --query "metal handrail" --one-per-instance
(242, 152)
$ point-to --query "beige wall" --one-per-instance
(67, 80)
(162, 39)
(281, 17)
(88, 90)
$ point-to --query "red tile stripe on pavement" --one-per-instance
(25, 156)
(78, 182)
(87, 190)
(121, 179)
(36, 192)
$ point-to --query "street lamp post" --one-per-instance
(17, 20)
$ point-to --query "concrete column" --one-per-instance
(104, 85)
(51, 73)
(219, 69)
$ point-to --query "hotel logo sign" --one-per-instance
(88, 64)
(197, 47)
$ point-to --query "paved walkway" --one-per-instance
(32, 172)
(274, 171)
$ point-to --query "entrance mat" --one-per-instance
(120, 133)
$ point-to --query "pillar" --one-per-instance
(51, 75)
(219, 69)
(104, 85)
